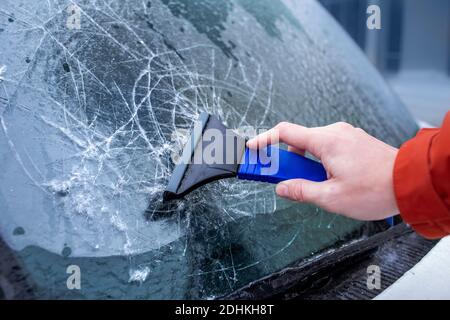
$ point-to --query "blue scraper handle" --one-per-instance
(266, 166)
(290, 166)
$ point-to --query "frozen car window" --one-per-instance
(91, 96)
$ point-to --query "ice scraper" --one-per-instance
(272, 165)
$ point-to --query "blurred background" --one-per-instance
(412, 49)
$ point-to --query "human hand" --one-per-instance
(359, 168)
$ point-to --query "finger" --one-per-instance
(294, 135)
(302, 190)
(296, 150)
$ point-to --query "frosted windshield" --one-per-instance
(91, 96)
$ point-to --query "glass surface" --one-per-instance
(88, 117)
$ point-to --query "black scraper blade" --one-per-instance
(189, 175)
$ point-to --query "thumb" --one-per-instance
(301, 190)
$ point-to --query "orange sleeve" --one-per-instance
(422, 181)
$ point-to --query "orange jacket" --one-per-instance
(422, 181)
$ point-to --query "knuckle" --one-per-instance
(336, 189)
(282, 126)
(331, 191)
(283, 123)
(343, 125)
(281, 129)
(297, 192)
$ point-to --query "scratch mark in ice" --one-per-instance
(139, 275)
(2, 71)
(17, 156)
